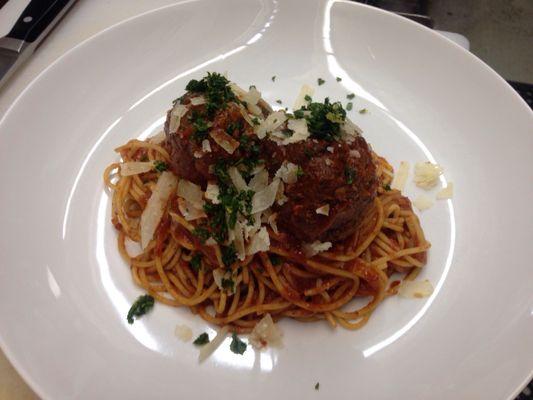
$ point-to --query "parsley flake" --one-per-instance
(279, 101)
(299, 172)
(142, 305)
(201, 340)
(338, 79)
(387, 187)
(273, 78)
(229, 256)
(317, 386)
(320, 81)
(349, 106)
(349, 173)
(160, 166)
(350, 96)
(201, 233)
(323, 119)
(363, 111)
(237, 346)
(196, 261)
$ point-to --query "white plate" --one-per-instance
(65, 291)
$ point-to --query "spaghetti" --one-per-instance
(281, 281)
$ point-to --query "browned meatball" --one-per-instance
(339, 174)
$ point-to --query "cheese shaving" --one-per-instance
(423, 202)
(288, 172)
(209, 348)
(151, 216)
(260, 242)
(265, 198)
(135, 167)
(191, 192)
(324, 210)
(199, 100)
(224, 140)
(265, 333)
(270, 124)
(211, 193)
(206, 146)
(415, 289)
(427, 175)
(300, 101)
(177, 112)
(400, 178)
(237, 179)
(183, 333)
(446, 193)
(312, 249)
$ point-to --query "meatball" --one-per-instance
(337, 174)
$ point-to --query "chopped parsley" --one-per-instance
(229, 256)
(216, 90)
(255, 121)
(324, 119)
(279, 101)
(201, 233)
(299, 172)
(273, 78)
(338, 79)
(275, 259)
(237, 346)
(196, 261)
(350, 96)
(160, 166)
(363, 111)
(349, 106)
(320, 81)
(387, 187)
(317, 386)
(308, 98)
(201, 340)
(228, 284)
(201, 127)
(142, 305)
(349, 173)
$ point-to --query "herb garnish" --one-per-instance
(160, 166)
(308, 98)
(142, 305)
(387, 187)
(317, 386)
(201, 233)
(201, 340)
(275, 259)
(273, 78)
(237, 345)
(279, 101)
(196, 261)
(350, 96)
(229, 256)
(349, 106)
(324, 119)
(216, 89)
(320, 81)
(363, 111)
(299, 172)
(349, 173)
(338, 79)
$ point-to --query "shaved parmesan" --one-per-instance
(265, 333)
(151, 216)
(132, 248)
(209, 348)
(157, 138)
(288, 172)
(272, 222)
(312, 249)
(423, 202)
(427, 174)
(251, 97)
(300, 131)
(355, 153)
(211, 193)
(260, 242)
(270, 124)
(183, 333)
(189, 210)
(348, 128)
(328, 162)
(237, 179)
(280, 195)
(400, 179)
(446, 193)
(239, 241)
(135, 167)
(265, 198)
(196, 101)
(324, 210)
(224, 140)
(330, 149)
(206, 146)
(415, 289)
(246, 116)
(259, 181)
(300, 101)
(191, 192)
(251, 230)
(177, 112)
